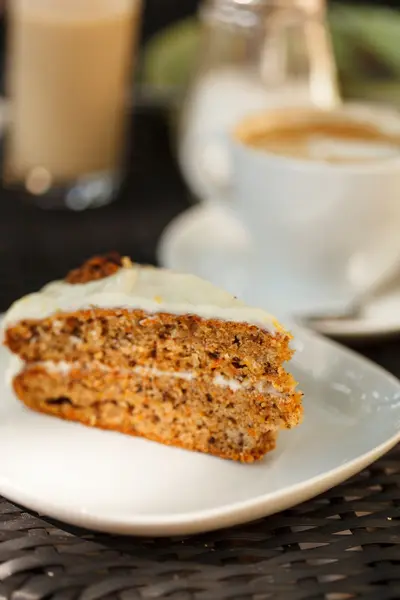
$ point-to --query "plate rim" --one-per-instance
(208, 520)
(230, 514)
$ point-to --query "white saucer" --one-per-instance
(208, 241)
(118, 484)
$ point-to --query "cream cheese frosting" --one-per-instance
(17, 365)
(145, 288)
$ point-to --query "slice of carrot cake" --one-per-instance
(152, 353)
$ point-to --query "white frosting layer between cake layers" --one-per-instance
(145, 288)
(16, 366)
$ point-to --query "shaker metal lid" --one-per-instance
(307, 5)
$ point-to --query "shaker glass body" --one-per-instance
(254, 55)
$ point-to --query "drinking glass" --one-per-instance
(68, 87)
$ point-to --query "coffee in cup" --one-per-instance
(319, 136)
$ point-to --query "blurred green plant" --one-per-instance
(170, 56)
(366, 42)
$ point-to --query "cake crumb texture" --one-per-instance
(192, 415)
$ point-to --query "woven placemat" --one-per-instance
(339, 546)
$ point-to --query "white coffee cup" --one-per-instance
(322, 231)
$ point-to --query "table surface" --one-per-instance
(344, 544)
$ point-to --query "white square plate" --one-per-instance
(119, 484)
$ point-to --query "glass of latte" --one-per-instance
(69, 76)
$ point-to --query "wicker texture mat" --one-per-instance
(342, 545)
